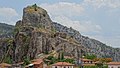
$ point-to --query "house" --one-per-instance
(113, 65)
(87, 62)
(37, 63)
(5, 65)
(18, 65)
(63, 65)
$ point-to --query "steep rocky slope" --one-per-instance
(95, 47)
(36, 34)
(6, 30)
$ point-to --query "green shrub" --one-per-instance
(50, 57)
(26, 60)
(90, 56)
(53, 60)
(8, 60)
(69, 60)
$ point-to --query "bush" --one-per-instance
(50, 57)
(90, 56)
(69, 60)
(90, 67)
(53, 60)
(8, 60)
(26, 60)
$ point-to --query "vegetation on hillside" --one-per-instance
(6, 29)
(51, 60)
(90, 56)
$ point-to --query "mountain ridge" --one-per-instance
(93, 44)
(6, 30)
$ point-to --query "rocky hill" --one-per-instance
(96, 47)
(36, 34)
(6, 30)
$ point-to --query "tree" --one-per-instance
(108, 60)
(50, 57)
(100, 65)
(59, 56)
(51, 60)
(26, 60)
(62, 55)
(90, 56)
(8, 60)
(96, 59)
(69, 60)
(105, 60)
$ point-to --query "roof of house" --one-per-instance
(5, 64)
(68, 57)
(113, 63)
(63, 64)
(37, 61)
(86, 60)
(88, 64)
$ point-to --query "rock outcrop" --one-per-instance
(36, 34)
(35, 18)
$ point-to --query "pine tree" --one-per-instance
(62, 55)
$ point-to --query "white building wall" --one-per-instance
(113, 66)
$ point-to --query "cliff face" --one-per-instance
(36, 34)
(35, 18)
(95, 47)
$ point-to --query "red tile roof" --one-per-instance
(37, 61)
(63, 64)
(88, 64)
(5, 64)
(113, 63)
(86, 60)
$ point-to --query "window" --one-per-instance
(91, 62)
(64, 67)
(112, 67)
(118, 67)
(55, 66)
